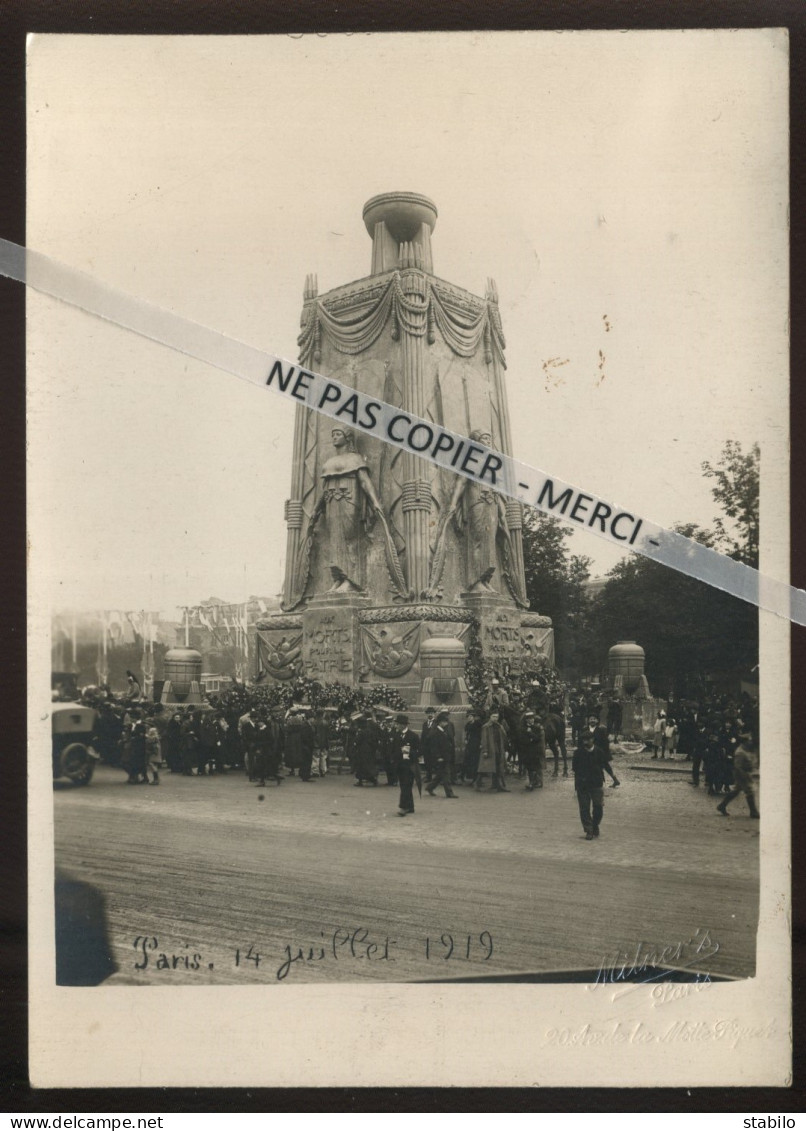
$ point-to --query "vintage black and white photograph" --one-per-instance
(268, 650)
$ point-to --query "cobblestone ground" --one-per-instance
(215, 866)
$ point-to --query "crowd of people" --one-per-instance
(520, 722)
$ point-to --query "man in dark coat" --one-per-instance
(442, 751)
(588, 765)
(208, 739)
(470, 765)
(266, 748)
(404, 755)
(602, 742)
(385, 748)
(614, 716)
(108, 727)
(247, 736)
(299, 743)
(171, 740)
(426, 737)
(532, 750)
(321, 738)
(699, 745)
(365, 751)
(577, 718)
(188, 745)
(137, 762)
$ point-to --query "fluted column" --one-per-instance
(514, 508)
(416, 502)
(294, 515)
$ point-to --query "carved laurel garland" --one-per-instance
(535, 621)
(284, 623)
(451, 614)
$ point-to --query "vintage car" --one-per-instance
(72, 727)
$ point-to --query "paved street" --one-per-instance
(324, 882)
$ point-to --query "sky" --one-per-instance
(627, 192)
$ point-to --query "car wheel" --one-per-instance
(77, 764)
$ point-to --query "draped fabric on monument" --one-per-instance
(366, 335)
(352, 333)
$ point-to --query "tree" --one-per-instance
(689, 630)
(737, 492)
(555, 583)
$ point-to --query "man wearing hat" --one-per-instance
(442, 755)
(602, 743)
(470, 764)
(385, 719)
(492, 754)
(496, 696)
(426, 738)
(365, 750)
(588, 766)
(299, 743)
(532, 750)
(404, 751)
(744, 760)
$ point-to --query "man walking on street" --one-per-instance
(588, 766)
(602, 743)
(442, 754)
(403, 753)
(426, 740)
(744, 762)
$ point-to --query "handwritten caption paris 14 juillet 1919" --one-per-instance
(342, 945)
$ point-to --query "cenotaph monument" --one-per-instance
(392, 563)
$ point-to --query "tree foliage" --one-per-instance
(688, 629)
(555, 585)
(736, 490)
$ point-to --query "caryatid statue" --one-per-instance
(334, 549)
(479, 514)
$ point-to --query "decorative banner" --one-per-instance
(280, 658)
(450, 450)
(390, 650)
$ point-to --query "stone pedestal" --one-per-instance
(499, 628)
(638, 718)
(330, 637)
